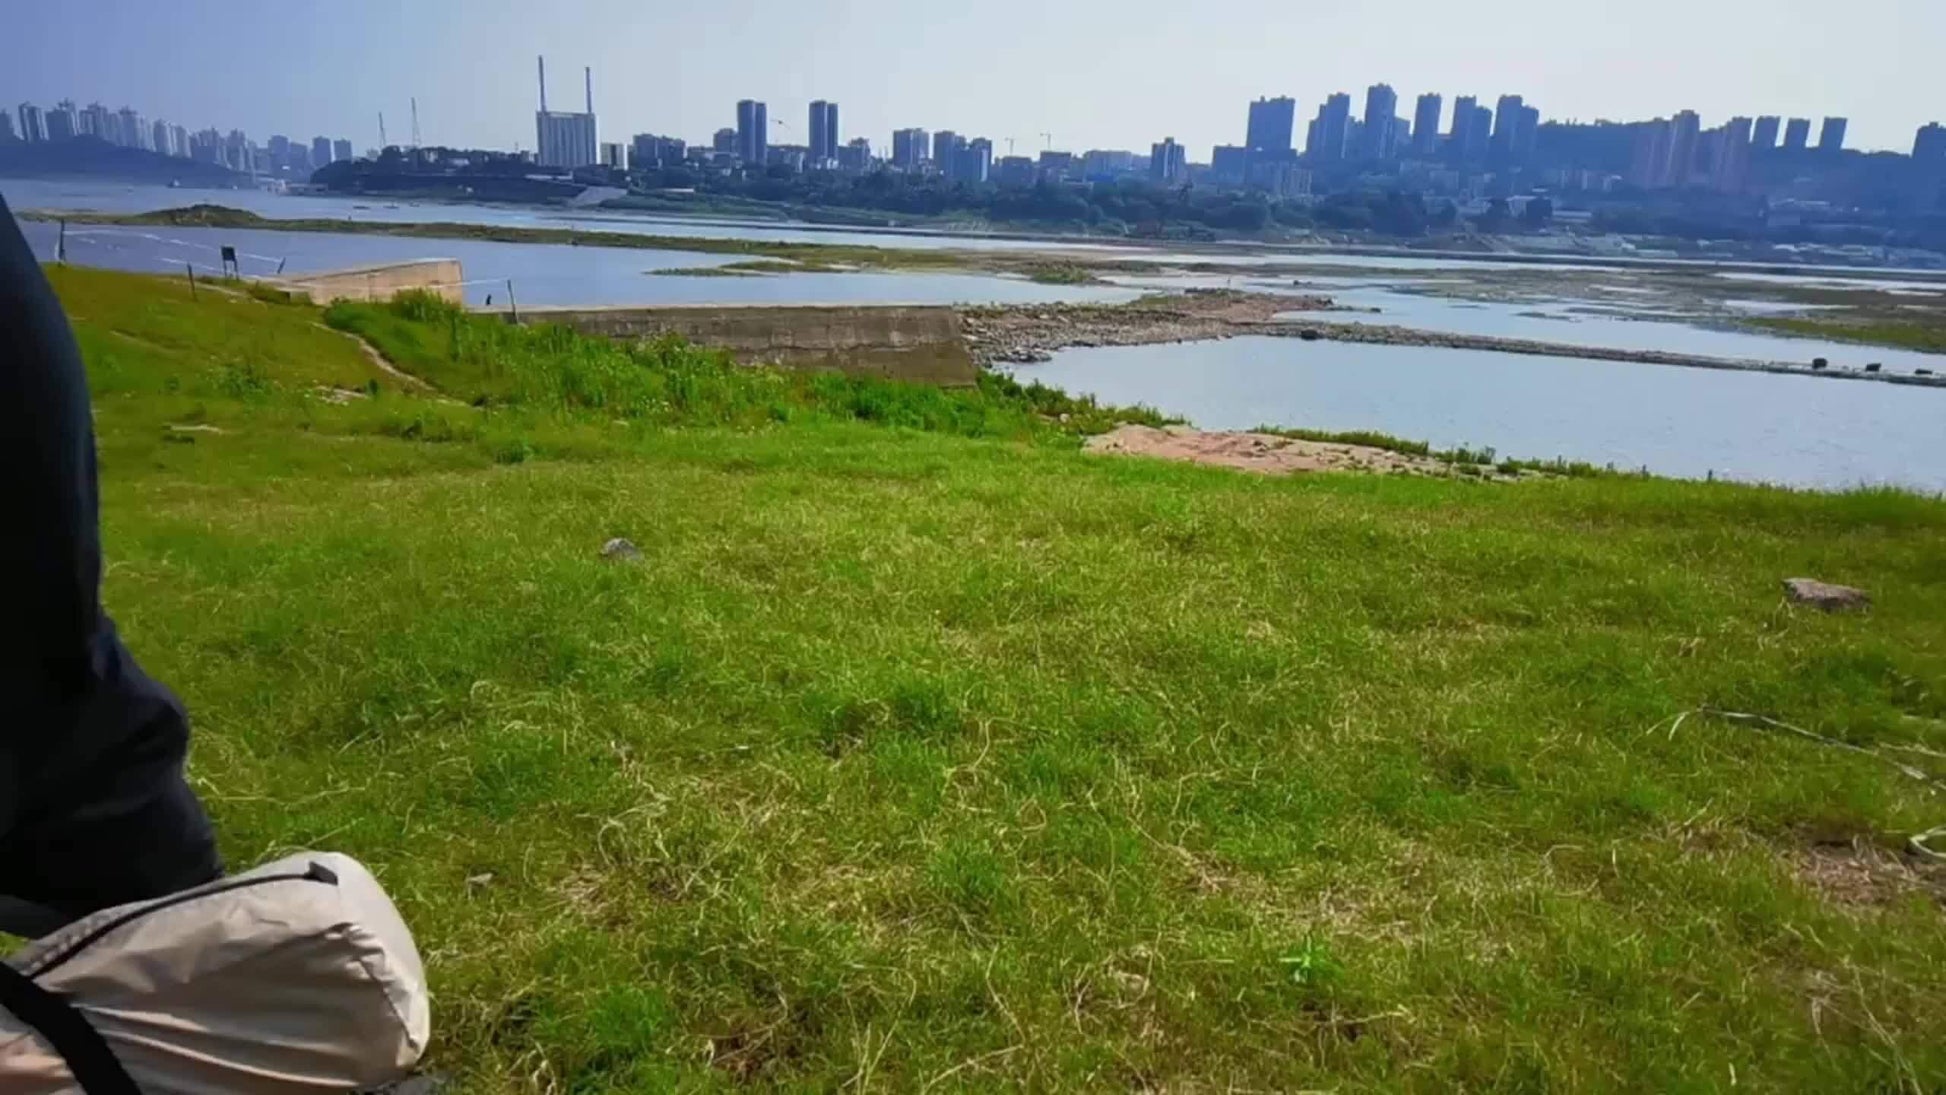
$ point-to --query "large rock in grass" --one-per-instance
(619, 550)
(1824, 595)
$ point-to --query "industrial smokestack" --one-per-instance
(543, 64)
(589, 75)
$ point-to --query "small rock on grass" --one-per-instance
(620, 550)
(1825, 595)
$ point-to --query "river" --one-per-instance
(1692, 423)
(540, 274)
(1798, 431)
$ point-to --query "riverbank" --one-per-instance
(1029, 334)
(813, 256)
(918, 748)
(1024, 334)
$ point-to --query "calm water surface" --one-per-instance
(542, 274)
(1562, 321)
(1757, 427)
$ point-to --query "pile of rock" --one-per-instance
(1028, 334)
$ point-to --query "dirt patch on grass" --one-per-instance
(1264, 453)
(1860, 876)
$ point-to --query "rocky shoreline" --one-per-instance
(1029, 333)
(1032, 333)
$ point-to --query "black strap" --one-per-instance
(68, 1031)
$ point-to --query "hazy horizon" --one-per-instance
(1093, 75)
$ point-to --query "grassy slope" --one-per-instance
(907, 758)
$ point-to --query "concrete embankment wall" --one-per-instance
(904, 343)
(440, 276)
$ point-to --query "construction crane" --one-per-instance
(1010, 146)
(415, 121)
(1048, 140)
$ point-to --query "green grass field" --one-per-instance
(923, 752)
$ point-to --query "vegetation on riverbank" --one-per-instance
(1928, 335)
(921, 751)
(1479, 458)
(1061, 273)
(1865, 315)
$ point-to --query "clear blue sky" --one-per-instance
(1094, 73)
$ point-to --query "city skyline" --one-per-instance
(1616, 62)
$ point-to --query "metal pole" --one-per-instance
(511, 302)
(61, 247)
(191, 271)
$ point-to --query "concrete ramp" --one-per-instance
(377, 283)
(903, 343)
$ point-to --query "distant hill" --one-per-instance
(96, 158)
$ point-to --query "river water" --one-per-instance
(1575, 323)
(106, 197)
(540, 274)
(1757, 427)
(1798, 431)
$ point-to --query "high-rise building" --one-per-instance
(972, 161)
(1381, 103)
(204, 145)
(1527, 134)
(63, 122)
(1684, 134)
(279, 147)
(1507, 117)
(909, 148)
(1731, 167)
(341, 149)
(6, 127)
(95, 121)
(179, 139)
(238, 155)
(1797, 134)
(320, 151)
(1229, 164)
(134, 133)
(1651, 153)
(33, 127)
(1930, 145)
(1108, 163)
(753, 132)
(1055, 164)
(1329, 135)
(1014, 171)
(1460, 140)
(824, 131)
(160, 138)
(563, 138)
(649, 151)
(856, 154)
(1425, 125)
(1764, 137)
(724, 140)
(1272, 122)
(1832, 137)
(1168, 162)
(1479, 135)
(945, 142)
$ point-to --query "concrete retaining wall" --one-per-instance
(905, 343)
(440, 276)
